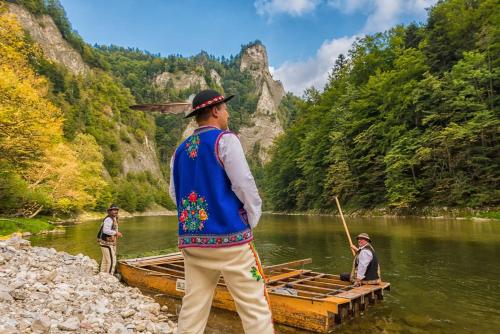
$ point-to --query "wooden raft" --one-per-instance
(299, 298)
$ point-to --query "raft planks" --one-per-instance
(323, 301)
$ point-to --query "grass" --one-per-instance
(489, 214)
(33, 225)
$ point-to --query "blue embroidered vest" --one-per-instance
(209, 213)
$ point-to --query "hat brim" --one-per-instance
(367, 239)
(193, 112)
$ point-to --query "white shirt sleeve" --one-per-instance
(242, 182)
(364, 259)
(171, 188)
(107, 227)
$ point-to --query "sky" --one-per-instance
(302, 37)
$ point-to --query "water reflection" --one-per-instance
(444, 273)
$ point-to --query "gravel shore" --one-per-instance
(45, 291)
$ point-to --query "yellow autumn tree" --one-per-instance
(63, 176)
(90, 159)
(69, 181)
(29, 123)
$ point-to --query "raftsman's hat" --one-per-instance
(364, 236)
(113, 207)
(207, 98)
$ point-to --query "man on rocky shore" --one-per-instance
(107, 239)
(218, 206)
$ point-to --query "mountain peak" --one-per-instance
(254, 57)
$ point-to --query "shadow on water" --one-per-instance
(445, 274)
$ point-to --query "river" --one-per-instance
(444, 274)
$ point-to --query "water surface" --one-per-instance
(445, 274)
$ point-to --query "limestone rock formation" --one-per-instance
(180, 80)
(265, 123)
(265, 119)
(140, 157)
(216, 77)
(45, 32)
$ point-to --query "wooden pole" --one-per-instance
(345, 226)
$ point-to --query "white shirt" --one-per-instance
(364, 258)
(236, 167)
(107, 226)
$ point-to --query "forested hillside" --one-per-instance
(64, 135)
(69, 141)
(137, 70)
(409, 118)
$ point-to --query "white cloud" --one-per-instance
(272, 70)
(291, 7)
(297, 76)
(383, 14)
(349, 6)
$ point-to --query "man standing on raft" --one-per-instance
(218, 206)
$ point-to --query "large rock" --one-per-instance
(181, 80)
(141, 156)
(127, 313)
(265, 119)
(150, 307)
(118, 328)
(72, 324)
(5, 297)
(41, 324)
(44, 31)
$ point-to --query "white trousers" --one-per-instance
(244, 278)
(108, 262)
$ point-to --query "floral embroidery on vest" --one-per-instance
(192, 146)
(194, 212)
(216, 240)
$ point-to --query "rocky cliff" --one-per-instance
(180, 80)
(44, 31)
(140, 155)
(266, 125)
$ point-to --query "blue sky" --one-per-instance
(302, 37)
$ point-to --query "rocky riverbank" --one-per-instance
(45, 291)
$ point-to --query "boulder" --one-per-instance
(71, 324)
(41, 324)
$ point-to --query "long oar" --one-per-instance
(345, 226)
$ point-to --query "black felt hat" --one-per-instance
(207, 98)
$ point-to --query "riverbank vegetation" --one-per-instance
(409, 118)
(34, 226)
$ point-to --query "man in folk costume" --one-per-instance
(365, 266)
(107, 237)
(218, 206)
